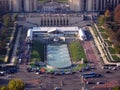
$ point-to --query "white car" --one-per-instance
(69, 72)
(57, 88)
(99, 83)
(37, 73)
(114, 68)
(9, 76)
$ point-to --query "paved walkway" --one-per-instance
(89, 50)
(25, 24)
(15, 46)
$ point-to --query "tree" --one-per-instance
(107, 13)
(117, 14)
(4, 88)
(16, 84)
(118, 35)
(101, 20)
(7, 20)
(116, 88)
(117, 8)
(15, 16)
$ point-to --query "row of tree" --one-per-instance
(5, 21)
(3, 40)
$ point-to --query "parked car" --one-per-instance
(52, 77)
(98, 75)
(57, 88)
(2, 73)
(56, 73)
(104, 67)
(30, 70)
(68, 72)
(62, 73)
(37, 73)
(114, 68)
(9, 76)
(100, 82)
(89, 82)
(108, 72)
(110, 67)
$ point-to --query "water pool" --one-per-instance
(58, 56)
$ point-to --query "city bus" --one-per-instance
(90, 76)
(92, 73)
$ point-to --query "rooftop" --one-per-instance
(55, 28)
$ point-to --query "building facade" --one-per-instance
(75, 5)
(15, 5)
(30, 5)
(53, 19)
(92, 5)
(18, 5)
(51, 32)
(4, 5)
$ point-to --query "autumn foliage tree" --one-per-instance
(107, 13)
(6, 20)
(116, 88)
(117, 14)
(15, 84)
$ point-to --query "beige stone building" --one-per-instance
(4, 5)
(76, 5)
(15, 5)
(19, 5)
(30, 5)
(53, 19)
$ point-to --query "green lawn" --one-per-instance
(76, 51)
(62, 0)
(2, 59)
(116, 58)
(79, 67)
(104, 35)
(109, 42)
(112, 50)
(37, 52)
(101, 30)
